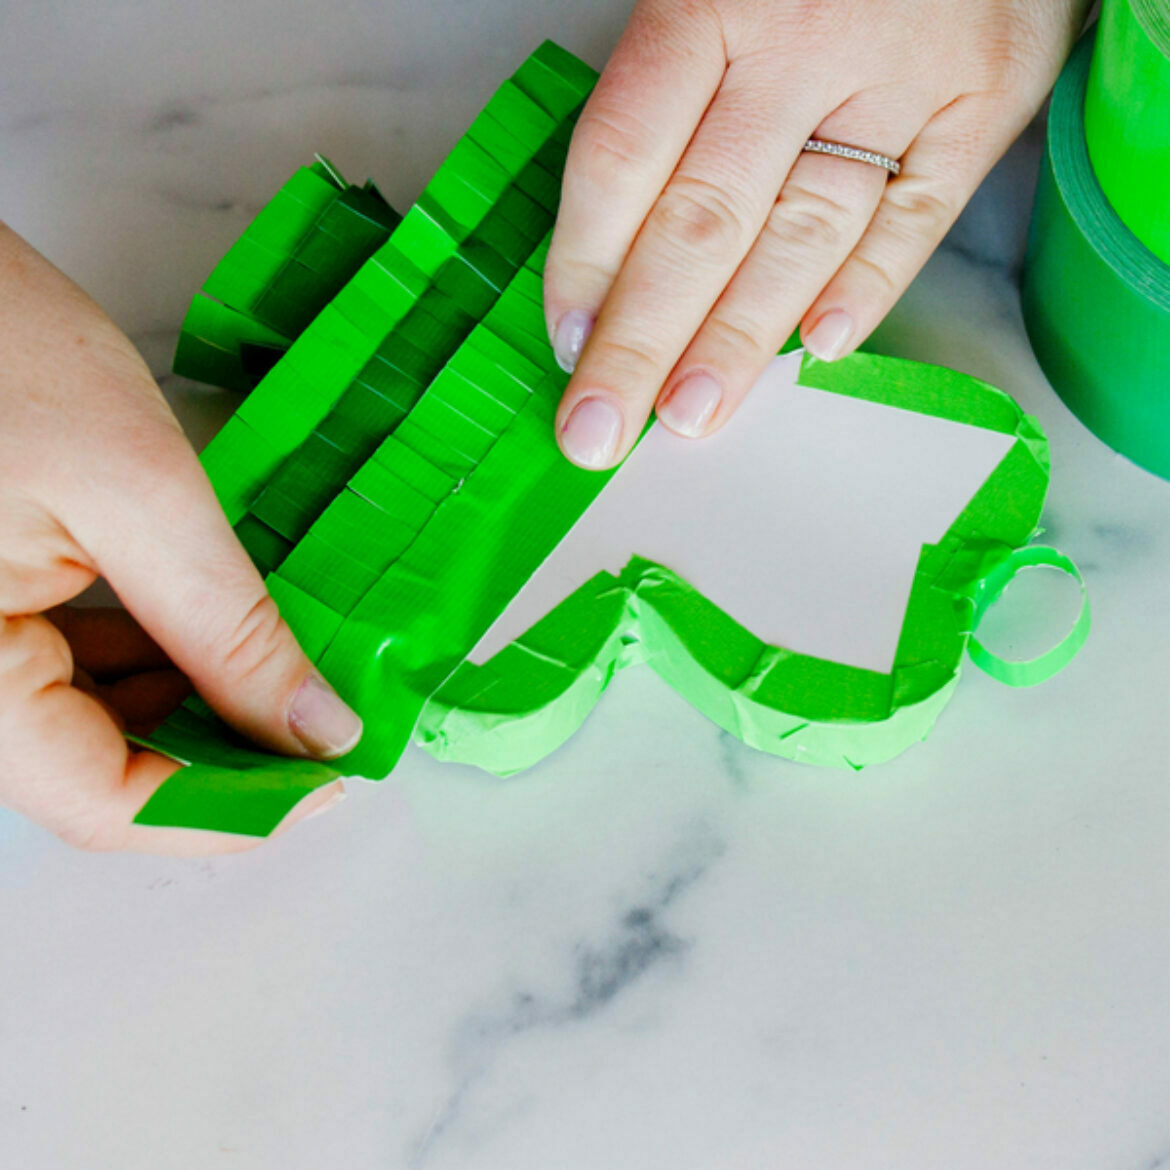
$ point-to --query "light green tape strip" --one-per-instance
(1127, 116)
(1028, 672)
(511, 711)
(1096, 300)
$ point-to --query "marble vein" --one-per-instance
(637, 943)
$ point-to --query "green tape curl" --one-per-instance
(1028, 672)
(1127, 116)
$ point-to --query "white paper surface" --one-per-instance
(803, 518)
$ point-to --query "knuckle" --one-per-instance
(735, 335)
(609, 143)
(699, 217)
(159, 452)
(627, 364)
(877, 275)
(566, 271)
(810, 219)
(33, 655)
(662, 32)
(972, 124)
(255, 641)
(152, 454)
(922, 209)
(1017, 45)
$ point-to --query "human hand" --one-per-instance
(96, 479)
(697, 236)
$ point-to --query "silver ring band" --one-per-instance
(820, 146)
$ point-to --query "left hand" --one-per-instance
(97, 480)
(697, 235)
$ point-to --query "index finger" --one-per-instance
(628, 140)
(702, 226)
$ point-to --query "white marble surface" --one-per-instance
(658, 949)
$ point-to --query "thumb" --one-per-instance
(156, 532)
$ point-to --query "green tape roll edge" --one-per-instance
(1096, 301)
(1127, 116)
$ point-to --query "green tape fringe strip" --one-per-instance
(1096, 300)
(482, 218)
(425, 524)
(1127, 116)
(358, 370)
(295, 256)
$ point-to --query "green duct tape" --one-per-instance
(428, 537)
(392, 327)
(454, 223)
(1127, 116)
(303, 246)
(517, 707)
(227, 784)
(1030, 671)
(1096, 301)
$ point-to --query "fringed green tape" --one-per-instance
(1096, 300)
(354, 374)
(294, 257)
(397, 476)
(293, 481)
(1127, 116)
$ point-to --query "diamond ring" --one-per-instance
(821, 146)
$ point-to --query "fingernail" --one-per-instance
(830, 335)
(689, 406)
(572, 332)
(590, 437)
(321, 721)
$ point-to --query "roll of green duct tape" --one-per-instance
(1127, 116)
(1096, 300)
